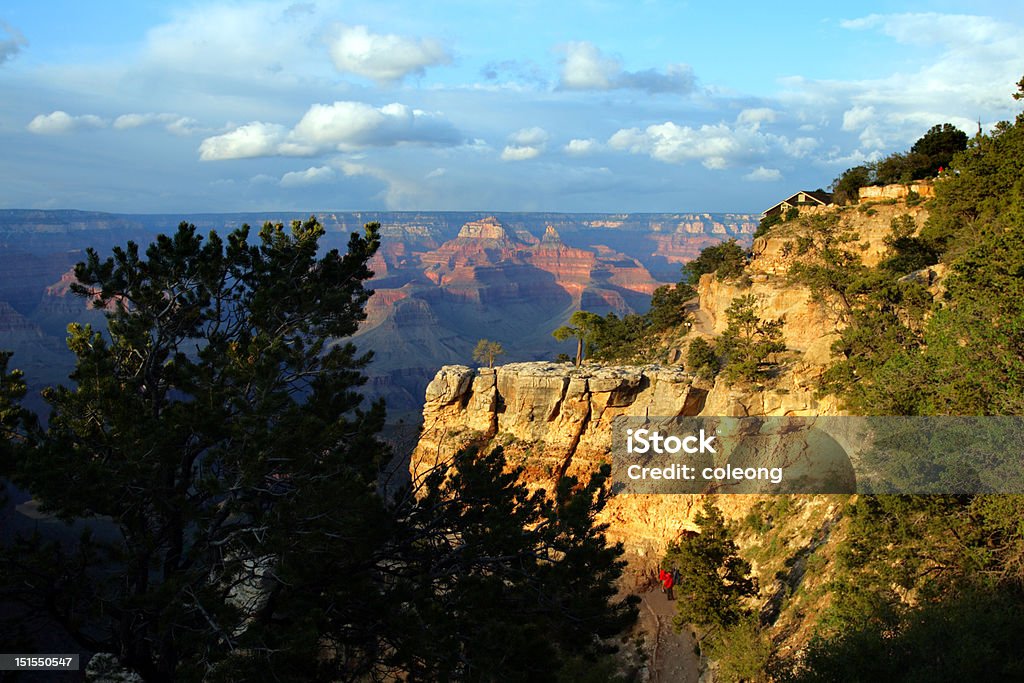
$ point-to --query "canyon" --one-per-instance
(442, 280)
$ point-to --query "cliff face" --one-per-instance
(567, 409)
(554, 418)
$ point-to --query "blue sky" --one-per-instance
(572, 106)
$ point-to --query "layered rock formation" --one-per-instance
(555, 419)
(492, 280)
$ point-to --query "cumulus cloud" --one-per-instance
(585, 67)
(11, 42)
(313, 175)
(715, 146)
(256, 139)
(764, 175)
(342, 126)
(529, 136)
(384, 58)
(61, 122)
(582, 147)
(172, 123)
(520, 152)
(525, 143)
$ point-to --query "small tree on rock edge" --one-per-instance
(487, 351)
(582, 325)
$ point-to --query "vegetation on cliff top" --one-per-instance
(933, 152)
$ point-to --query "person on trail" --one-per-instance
(667, 581)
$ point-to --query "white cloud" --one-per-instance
(61, 122)
(798, 147)
(529, 136)
(586, 68)
(341, 126)
(311, 176)
(582, 147)
(929, 28)
(967, 69)
(857, 117)
(256, 139)
(525, 143)
(977, 63)
(11, 41)
(520, 152)
(223, 39)
(762, 174)
(436, 173)
(172, 123)
(383, 57)
(715, 146)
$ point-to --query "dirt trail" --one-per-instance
(673, 659)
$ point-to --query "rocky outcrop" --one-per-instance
(555, 419)
(923, 188)
(568, 409)
(489, 228)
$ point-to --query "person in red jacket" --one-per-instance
(667, 581)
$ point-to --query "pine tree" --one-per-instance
(748, 341)
(713, 578)
(218, 431)
(501, 579)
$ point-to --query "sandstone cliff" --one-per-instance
(554, 418)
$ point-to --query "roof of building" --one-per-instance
(817, 196)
